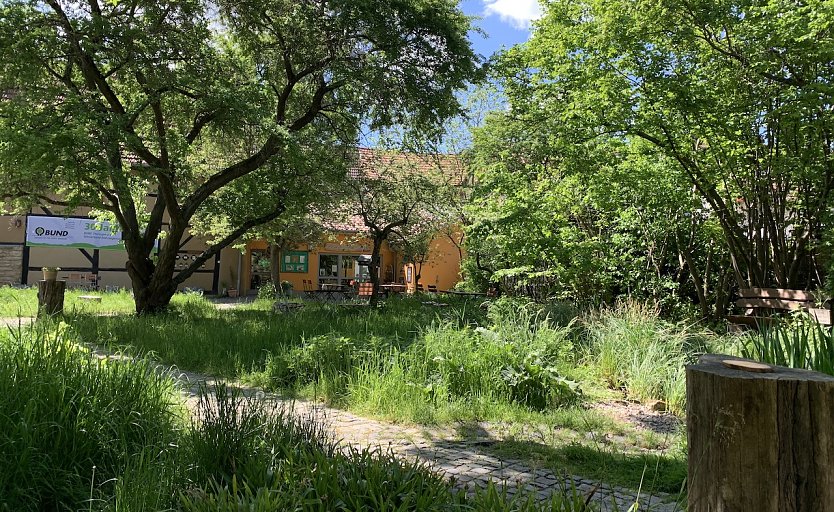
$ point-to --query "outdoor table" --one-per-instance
(328, 291)
(390, 289)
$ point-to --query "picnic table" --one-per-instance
(392, 289)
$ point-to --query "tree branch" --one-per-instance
(234, 235)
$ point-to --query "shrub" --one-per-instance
(513, 361)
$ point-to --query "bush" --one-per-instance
(515, 360)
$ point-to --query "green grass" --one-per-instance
(798, 342)
(71, 423)
(524, 366)
(82, 433)
(15, 302)
(632, 348)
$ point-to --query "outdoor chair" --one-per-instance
(432, 288)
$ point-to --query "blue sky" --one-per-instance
(506, 22)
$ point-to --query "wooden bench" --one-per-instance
(762, 306)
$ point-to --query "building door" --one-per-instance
(342, 268)
(260, 274)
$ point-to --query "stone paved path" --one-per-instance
(467, 463)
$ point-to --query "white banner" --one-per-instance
(72, 232)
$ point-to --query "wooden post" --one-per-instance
(51, 297)
(760, 438)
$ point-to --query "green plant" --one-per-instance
(267, 291)
(799, 342)
(635, 350)
(69, 420)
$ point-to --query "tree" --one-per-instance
(390, 192)
(592, 222)
(414, 242)
(736, 95)
(190, 101)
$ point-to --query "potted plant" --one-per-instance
(286, 287)
(50, 273)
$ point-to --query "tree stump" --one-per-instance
(51, 297)
(760, 439)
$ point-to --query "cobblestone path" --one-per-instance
(468, 464)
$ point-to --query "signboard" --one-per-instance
(295, 261)
(347, 247)
(79, 233)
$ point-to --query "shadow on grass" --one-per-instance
(663, 473)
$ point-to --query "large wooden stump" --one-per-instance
(759, 441)
(51, 297)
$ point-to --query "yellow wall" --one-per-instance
(441, 269)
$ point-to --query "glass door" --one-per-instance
(342, 268)
(328, 269)
(260, 265)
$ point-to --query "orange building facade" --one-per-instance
(338, 259)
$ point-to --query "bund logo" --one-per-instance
(51, 232)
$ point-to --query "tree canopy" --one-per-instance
(153, 111)
(718, 110)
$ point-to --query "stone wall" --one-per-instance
(11, 261)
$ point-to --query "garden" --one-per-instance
(602, 201)
(115, 434)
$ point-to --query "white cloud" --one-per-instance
(518, 13)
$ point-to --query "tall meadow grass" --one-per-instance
(71, 423)
(634, 349)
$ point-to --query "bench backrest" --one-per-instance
(758, 300)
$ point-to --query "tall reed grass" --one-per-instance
(632, 348)
(70, 422)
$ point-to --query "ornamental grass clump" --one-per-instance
(633, 349)
(71, 423)
(797, 342)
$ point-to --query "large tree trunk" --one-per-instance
(759, 441)
(153, 282)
